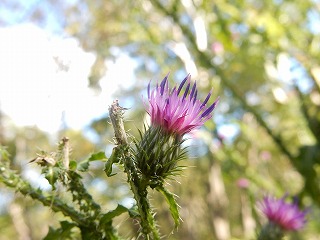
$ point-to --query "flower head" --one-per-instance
(243, 183)
(178, 111)
(174, 112)
(288, 216)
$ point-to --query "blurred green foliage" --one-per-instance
(261, 58)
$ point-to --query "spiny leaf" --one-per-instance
(133, 212)
(114, 213)
(114, 158)
(52, 175)
(64, 232)
(73, 165)
(84, 165)
(97, 156)
(173, 206)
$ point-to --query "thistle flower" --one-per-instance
(282, 217)
(177, 113)
(173, 112)
(287, 215)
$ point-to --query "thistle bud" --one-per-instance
(173, 113)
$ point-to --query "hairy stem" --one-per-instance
(137, 184)
(90, 226)
(66, 151)
(13, 180)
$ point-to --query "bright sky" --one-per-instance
(33, 91)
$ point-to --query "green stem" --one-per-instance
(12, 180)
(87, 225)
(138, 186)
(140, 193)
(146, 215)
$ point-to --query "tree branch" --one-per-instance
(205, 60)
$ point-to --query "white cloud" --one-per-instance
(33, 91)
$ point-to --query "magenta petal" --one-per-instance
(178, 114)
(287, 215)
(182, 83)
(178, 123)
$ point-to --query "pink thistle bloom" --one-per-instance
(288, 216)
(243, 183)
(177, 113)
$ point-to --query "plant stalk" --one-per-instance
(13, 180)
(137, 184)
